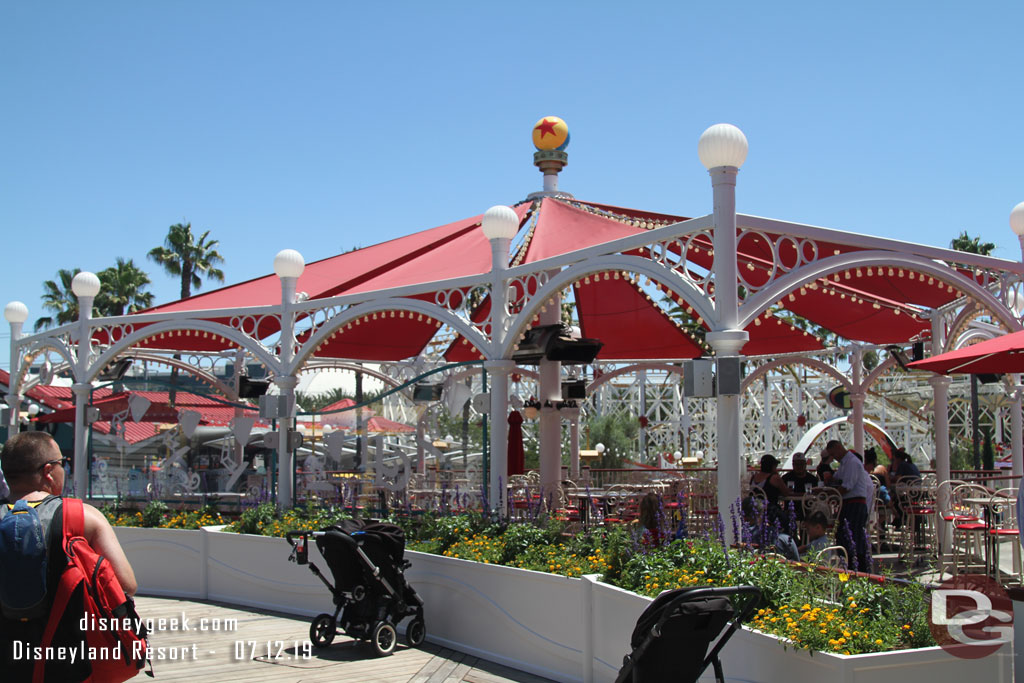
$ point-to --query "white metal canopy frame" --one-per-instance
(792, 261)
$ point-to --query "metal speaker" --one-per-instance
(729, 379)
(697, 378)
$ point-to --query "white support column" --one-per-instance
(573, 414)
(85, 286)
(723, 149)
(81, 392)
(16, 314)
(499, 225)
(940, 406)
(288, 265)
(498, 372)
(550, 391)
(857, 399)
(285, 483)
(1016, 441)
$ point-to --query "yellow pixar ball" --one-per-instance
(551, 132)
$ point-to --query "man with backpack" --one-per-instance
(33, 562)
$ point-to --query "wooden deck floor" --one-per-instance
(242, 644)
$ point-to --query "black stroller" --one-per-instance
(671, 638)
(370, 592)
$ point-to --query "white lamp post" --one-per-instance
(723, 149)
(499, 225)
(1016, 428)
(288, 265)
(85, 286)
(16, 314)
(1017, 225)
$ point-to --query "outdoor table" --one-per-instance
(584, 500)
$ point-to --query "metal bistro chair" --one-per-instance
(969, 528)
(1003, 512)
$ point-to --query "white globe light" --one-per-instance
(722, 144)
(16, 312)
(677, 455)
(599, 448)
(289, 263)
(301, 429)
(33, 409)
(85, 284)
(1017, 220)
(500, 221)
(328, 429)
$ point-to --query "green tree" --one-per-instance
(59, 299)
(123, 289)
(971, 245)
(184, 257)
(617, 433)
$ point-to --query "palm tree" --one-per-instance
(60, 299)
(182, 256)
(123, 289)
(971, 245)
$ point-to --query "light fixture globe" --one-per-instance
(723, 144)
(33, 409)
(500, 222)
(289, 263)
(1017, 220)
(599, 448)
(16, 312)
(85, 284)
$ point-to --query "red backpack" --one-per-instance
(120, 652)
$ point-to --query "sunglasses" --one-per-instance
(63, 462)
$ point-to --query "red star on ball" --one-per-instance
(546, 127)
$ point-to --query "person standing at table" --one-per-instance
(857, 489)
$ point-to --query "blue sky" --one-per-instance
(321, 126)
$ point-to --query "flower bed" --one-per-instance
(560, 627)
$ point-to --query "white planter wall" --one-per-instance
(565, 629)
(167, 562)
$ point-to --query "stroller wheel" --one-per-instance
(384, 638)
(322, 630)
(415, 632)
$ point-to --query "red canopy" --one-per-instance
(874, 304)
(1000, 355)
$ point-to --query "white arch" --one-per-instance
(815, 431)
(17, 382)
(821, 366)
(607, 377)
(702, 305)
(875, 374)
(205, 377)
(247, 343)
(431, 310)
(792, 281)
(317, 364)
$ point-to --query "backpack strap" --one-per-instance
(74, 518)
(65, 589)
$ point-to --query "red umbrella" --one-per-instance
(1000, 355)
(516, 456)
